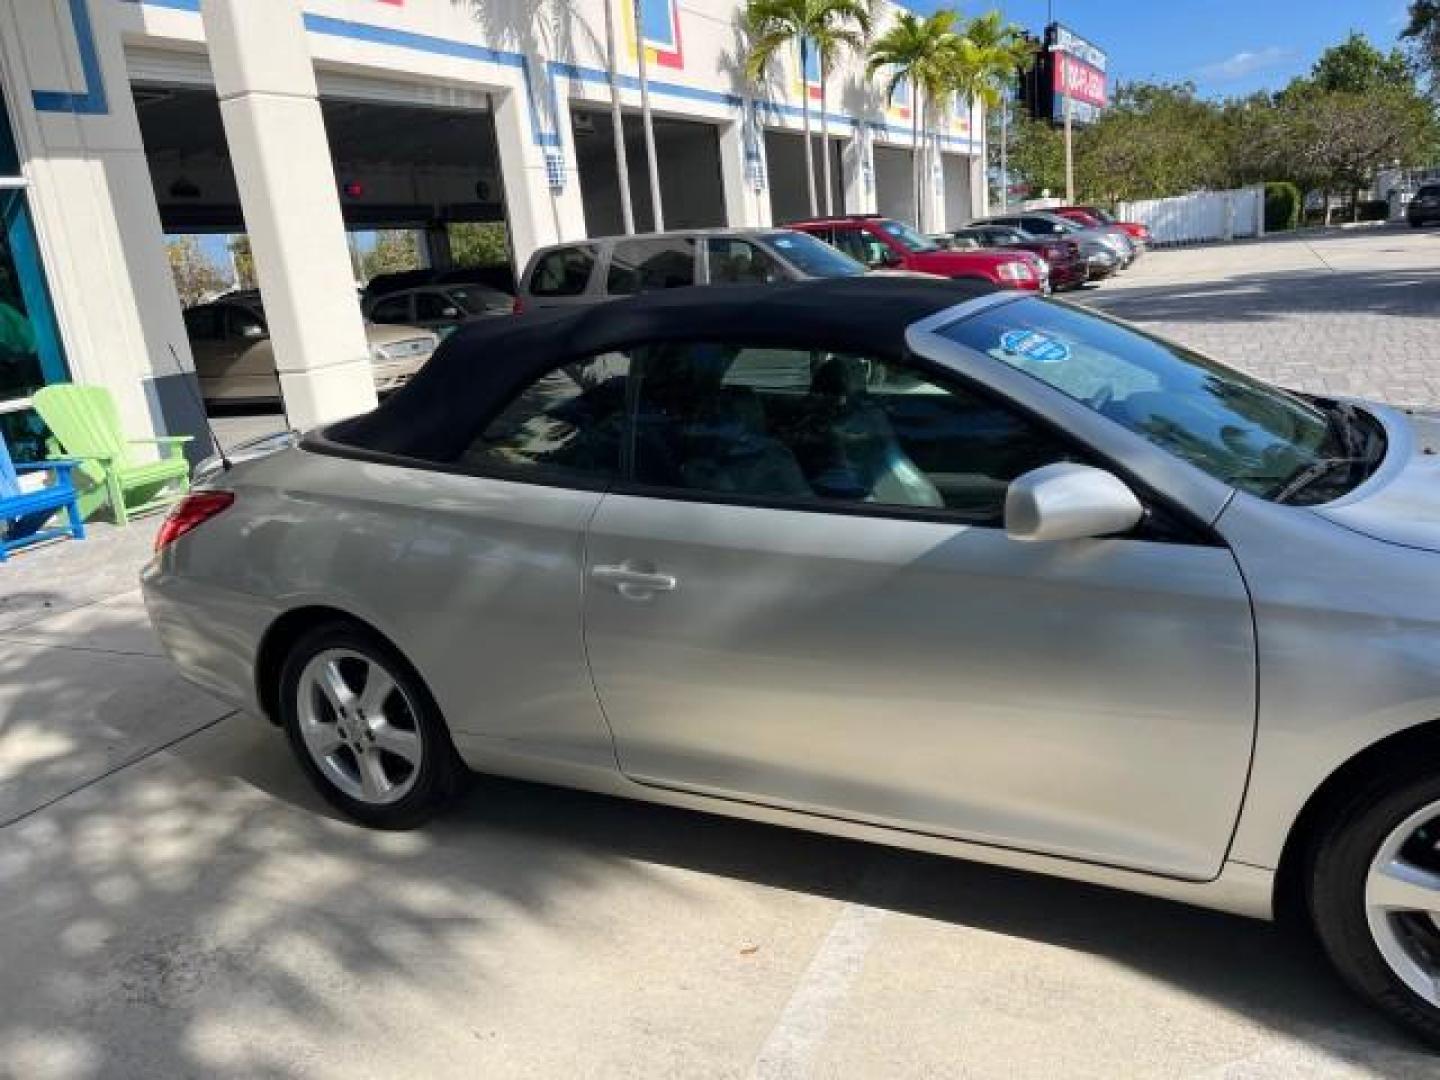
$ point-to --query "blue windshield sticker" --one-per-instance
(1034, 345)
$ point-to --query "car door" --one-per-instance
(804, 596)
(494, 567)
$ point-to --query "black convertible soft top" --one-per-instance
(482, 366)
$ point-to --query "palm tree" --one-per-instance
(840, 25)
(617, 119)
(825, 26)
(919, 51)
(646, 121)
(984, 60)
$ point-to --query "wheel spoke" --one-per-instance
(333, 685)
(378, 687)
(373, 780)
(1402, 886)
(324, 739)
(403, 744)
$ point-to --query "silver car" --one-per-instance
(966, 572)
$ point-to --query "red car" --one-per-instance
(884, 243)
(1068, 268)
(1093, 217)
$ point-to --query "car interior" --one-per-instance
(778, 424)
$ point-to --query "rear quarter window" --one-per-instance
(563, 272)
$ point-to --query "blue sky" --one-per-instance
(1223, 46)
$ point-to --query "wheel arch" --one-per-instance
(1394, 751)
(281, 635)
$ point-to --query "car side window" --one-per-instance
(862, 247)
(1040, 226)
(732, 261)
(433, 306)
(393, 309)
(566, 426)
(563, 272)
(820, 428)
(638, 266)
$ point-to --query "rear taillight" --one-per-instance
(518, 307)
(190, 513)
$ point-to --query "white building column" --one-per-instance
(97, 224)
(744, 175)
(932, 188)
(265, 81)
(858, 165)
(538, 168)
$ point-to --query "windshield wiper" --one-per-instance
(1313, 472)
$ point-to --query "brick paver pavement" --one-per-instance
(1352, 312)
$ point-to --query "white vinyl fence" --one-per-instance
(1200, 217)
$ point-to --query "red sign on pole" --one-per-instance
(1076, 79)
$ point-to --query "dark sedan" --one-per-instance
(1068, 268)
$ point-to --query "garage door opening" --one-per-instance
(421, 198)
(419, 185)
(895, 183)
(688, 152)
(958, 207)
(785, 163)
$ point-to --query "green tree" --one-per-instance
(196, 277)
(920, 51)
(988, 56)
(395, 250)
(1422, 34)
(1356, 67)
(1037, 156)
(478, 243)
(826, 26)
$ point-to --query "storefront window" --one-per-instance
(30, 351)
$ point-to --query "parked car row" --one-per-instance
(408, 313)
(1079, 244)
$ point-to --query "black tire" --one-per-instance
(441, 773)
(1339, 863)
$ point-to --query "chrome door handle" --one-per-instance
(632, 582)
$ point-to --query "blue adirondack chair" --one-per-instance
(23, 514)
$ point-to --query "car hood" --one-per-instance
(949, 263)
(1400, 503)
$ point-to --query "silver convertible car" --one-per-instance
(903, 560)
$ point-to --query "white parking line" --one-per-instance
(793, 1041)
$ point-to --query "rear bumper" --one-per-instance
(212, 634)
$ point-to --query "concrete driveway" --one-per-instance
(175, 902)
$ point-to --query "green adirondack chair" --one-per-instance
(86, 427)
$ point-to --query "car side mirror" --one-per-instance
(1066, 501)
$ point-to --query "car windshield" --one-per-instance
(812, 256)
(908, 237)
(1101, 215)
(1244, 432)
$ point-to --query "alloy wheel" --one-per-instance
(1402, 901)
(359, 726)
